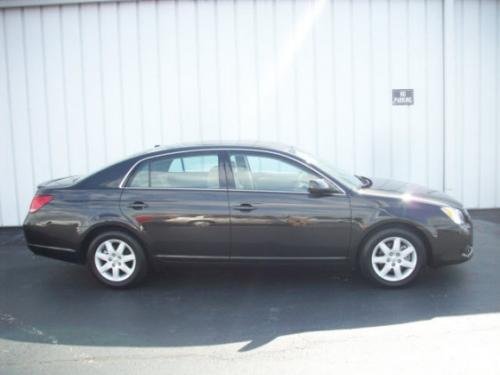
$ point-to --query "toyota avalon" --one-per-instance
(243, 203)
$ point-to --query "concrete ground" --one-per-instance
(55, 319)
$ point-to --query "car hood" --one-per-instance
(407, 191)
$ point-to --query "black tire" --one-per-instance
(369, 247)
(141, 263)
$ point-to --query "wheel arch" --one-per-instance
(415, 229)
(95, 231)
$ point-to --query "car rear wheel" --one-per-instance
(392, 257)
(117, 260)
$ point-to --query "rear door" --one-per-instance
(180, 202)
(273, 215)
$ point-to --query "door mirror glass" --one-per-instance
(320, 186)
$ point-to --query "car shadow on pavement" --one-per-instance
(51, 302)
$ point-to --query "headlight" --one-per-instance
(454, 214)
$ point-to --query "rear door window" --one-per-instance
(193, 171)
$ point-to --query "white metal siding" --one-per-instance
(83, 85)
(475, 155)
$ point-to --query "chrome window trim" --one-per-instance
(223, 190)
(228, 149)
(178, 188)
(269, 191)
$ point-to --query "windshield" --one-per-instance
(342, 176)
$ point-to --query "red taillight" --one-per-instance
(39, 201)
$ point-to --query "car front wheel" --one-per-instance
(392, 257)
(117, 260)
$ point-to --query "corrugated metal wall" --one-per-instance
(475, 152)
(83, 85)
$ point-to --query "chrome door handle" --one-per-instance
(245, 207)
(138, 205)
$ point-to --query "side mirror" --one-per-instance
(320, 187)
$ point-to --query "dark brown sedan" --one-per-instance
(243, 203)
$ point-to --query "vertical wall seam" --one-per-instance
(315, 84)
(84, 91)
(237, 70)
(334, 86)
(159, 64)
(217, 68)
(139, 70)
(295, 79)
(256, 67)
(462, 75)
(9, 106)
(479, 117)
(353, 82)
(120, 79)
(444, 27)
(497, 100)
(372, 88)
(28, 101)
(408, 79)
(275, 74)
(199, 103)
(178, 68)
(4, 45)
(46, 93)
(65, 89)
(426, 80)
(389, 68)
(101, 82)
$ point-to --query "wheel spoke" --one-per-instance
(385, 270)
(120, 248)
(128, 258)
(385, 249)
(116, 272)
(109, 247)
(397, 271)
(379, 259)
(409, 250)
(396, 246)
(407, 263)
(125, 268)
(101, 256)
(105, 267)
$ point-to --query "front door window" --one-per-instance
(268, 173)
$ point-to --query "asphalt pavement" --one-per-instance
(56, 319)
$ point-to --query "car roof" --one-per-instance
(257, 145)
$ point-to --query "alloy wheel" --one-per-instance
(394, 259)
(115, 260)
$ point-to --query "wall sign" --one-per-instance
(402, 97)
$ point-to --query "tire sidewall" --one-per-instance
(369, 247)
(140, 266)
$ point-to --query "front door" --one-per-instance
(274, 217)
(180, 202)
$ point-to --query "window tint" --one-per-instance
(195, 172)
(263, 172)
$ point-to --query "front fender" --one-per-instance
(370, 216)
